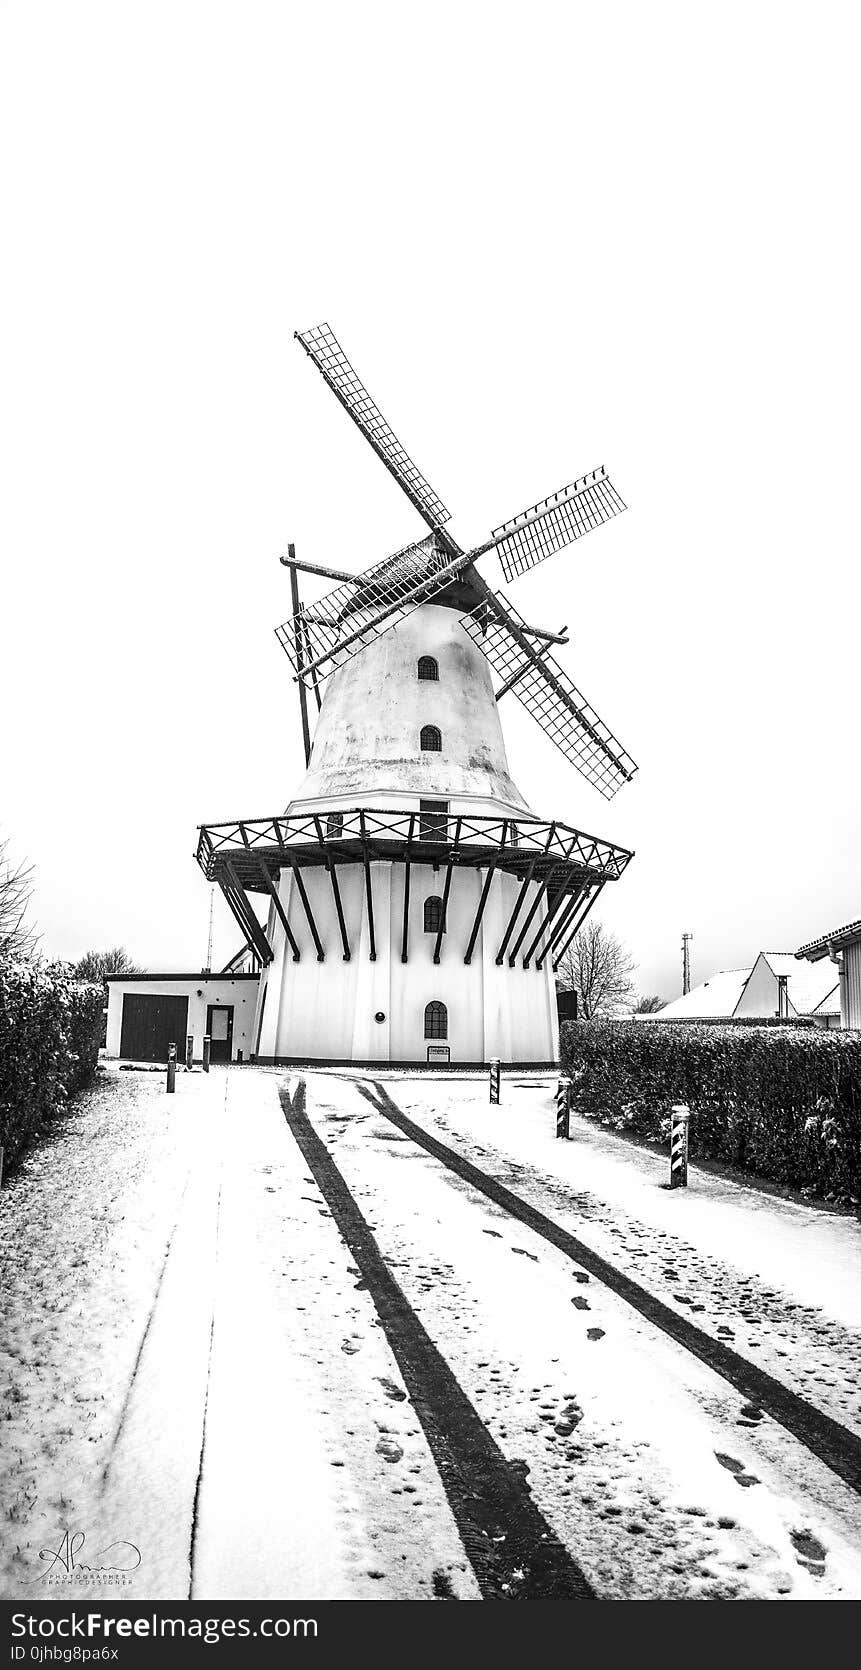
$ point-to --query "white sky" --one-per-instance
(549, 237)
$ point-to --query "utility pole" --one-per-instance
(686, 963)
(209, 944)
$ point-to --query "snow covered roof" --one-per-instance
(838, 937)
(807, 984)
(715, 999)
(811, 988)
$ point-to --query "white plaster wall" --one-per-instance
(367, 738)
(242, 994)
(326, 1010)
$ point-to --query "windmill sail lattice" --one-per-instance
(552, 698)
(555, 522)
(325, 350)
(341, 624)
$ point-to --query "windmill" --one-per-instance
(372, 950)
(321, 637)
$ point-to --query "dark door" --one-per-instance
(219, 1025)
(150, 1023)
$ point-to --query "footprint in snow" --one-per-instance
(494, 1232)
(351, 1346)
(389, 1450)
(391, 1390)
(809, 1551)
(594, 1333)
(737, 1469)
(580, 1303)
(524, 1254)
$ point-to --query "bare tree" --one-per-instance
(16, 889)
(96, 965)
(597, 966)
(649, 1004)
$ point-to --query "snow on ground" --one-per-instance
(187, 1368)
(642, 1459)
(189, 1363)
(771, 1277)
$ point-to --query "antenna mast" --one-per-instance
(209, 942)
(686, 963)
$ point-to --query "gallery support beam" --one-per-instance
(336, 891)
(279, 910)
(541, 891)
(575, 929)
(405, 937)
(369, 892)
(552, 907)
(483, 898)
(561, 924)
(309, 914)
(244, 914)
(445, 892)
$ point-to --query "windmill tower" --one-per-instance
(417, 907)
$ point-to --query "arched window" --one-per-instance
(433, 914)
(431, 739)
(334, 825)
(436, 1021)
(429, 668)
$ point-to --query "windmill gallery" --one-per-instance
(417, 909)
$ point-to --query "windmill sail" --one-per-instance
(325, 350)
(325, 634)
(555, 522)
(552, 698)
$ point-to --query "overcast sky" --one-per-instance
(549, 237)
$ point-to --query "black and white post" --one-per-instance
(171, 1069)
(563, 1109)
(679, 1122)
(206, 1048)
(189, 1052)
(495, 1078)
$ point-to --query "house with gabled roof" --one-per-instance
(842, 949)
(775, 987)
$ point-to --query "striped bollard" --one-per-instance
(563, 1109)
(171, 1069)
(189, 1052)
(495, 1075)
(206, 1047)
(679, 1123)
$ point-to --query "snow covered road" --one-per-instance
(259, 1338)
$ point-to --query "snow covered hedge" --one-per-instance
(780, 1102)
(50, 1029)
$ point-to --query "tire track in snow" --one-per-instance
(513, 1550)
(120, 1427)
(832, 1443)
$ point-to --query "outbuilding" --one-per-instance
(148, 1012)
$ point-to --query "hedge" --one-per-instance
(781, 1102)
(50, 1029)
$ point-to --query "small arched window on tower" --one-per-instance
(431, 739)
(428, 669)
(433, 914)
(334, 825)
(436, 1021)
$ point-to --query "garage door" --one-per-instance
(150, 1023)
